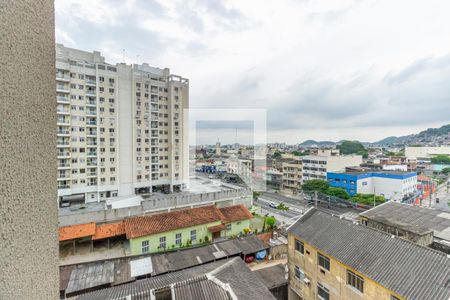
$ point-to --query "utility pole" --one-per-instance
(374, 195)
(431, 191)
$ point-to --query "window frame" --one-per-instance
(355, 281)
(302, 246)
(323, 288)
(146, 246)
(162, 242)
(193, 235)
(178, 238)
(325, 259)
(299, 273)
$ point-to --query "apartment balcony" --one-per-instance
(90, 102)
(91, 153)
(91, 112)
(63, 144)
(63, 132)
(90, 92)
(91, 132)
(63, 154)
(63, 121)
(92, 174)
(62, 111)
(62, 89)
(63, 176)
(64, 166)
(63, 186)
(62, 77)
(91, 123)
(91, 163)
(62, 99)
(91, 82)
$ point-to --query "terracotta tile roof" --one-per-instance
(217, 228)
(109, 230)
(76, 231)
(235, 213)
(152, 224)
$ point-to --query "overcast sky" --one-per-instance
(324, 70)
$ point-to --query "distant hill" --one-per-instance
(430, 135)
(312, 143)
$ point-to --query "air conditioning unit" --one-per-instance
(306, 281)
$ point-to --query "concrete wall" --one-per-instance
(159, 204)
(28, 212)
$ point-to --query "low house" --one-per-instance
(183, 228)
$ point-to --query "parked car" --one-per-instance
(273, 205)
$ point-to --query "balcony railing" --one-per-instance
(62, 99)
(62, 88)
(63, 132)
(63, 186)
(63, 154)
(64, 77)
(90, 92)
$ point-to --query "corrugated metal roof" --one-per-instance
(410, 270)
(410, 217)
(199, 288)
(188, 284)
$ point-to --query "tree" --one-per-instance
(315, 185)
(271, 221)
(367, 199)
(337, 192)
(350, 147)
(364, 153)
(441, 159)
(296, 153)
(446, 170)
(276, 154)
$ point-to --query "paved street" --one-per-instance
(444, 197)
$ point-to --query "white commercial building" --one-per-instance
(120, 128)
(317, 166)
(426, 153)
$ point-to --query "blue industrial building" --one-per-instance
(392, 185)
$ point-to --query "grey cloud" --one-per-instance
(420, 95)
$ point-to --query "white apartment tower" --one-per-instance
(120, 128)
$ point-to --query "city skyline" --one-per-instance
(377, 69)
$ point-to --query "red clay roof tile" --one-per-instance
(76, 231)
(235, 213)
(109, 230)
(152, 224)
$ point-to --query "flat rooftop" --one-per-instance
(197, 185)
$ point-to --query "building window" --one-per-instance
(145, 246)
(162, 242)
(178, 239)
(355, 281)
(394, 297)
(228, 227)
(322, 292)
(299, 274)
(299, 246)
(193, 235)
(323, 261)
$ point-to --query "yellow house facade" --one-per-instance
(331, 258)
(314, 279)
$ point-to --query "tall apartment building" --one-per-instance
(120, 128)
(317, 166)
